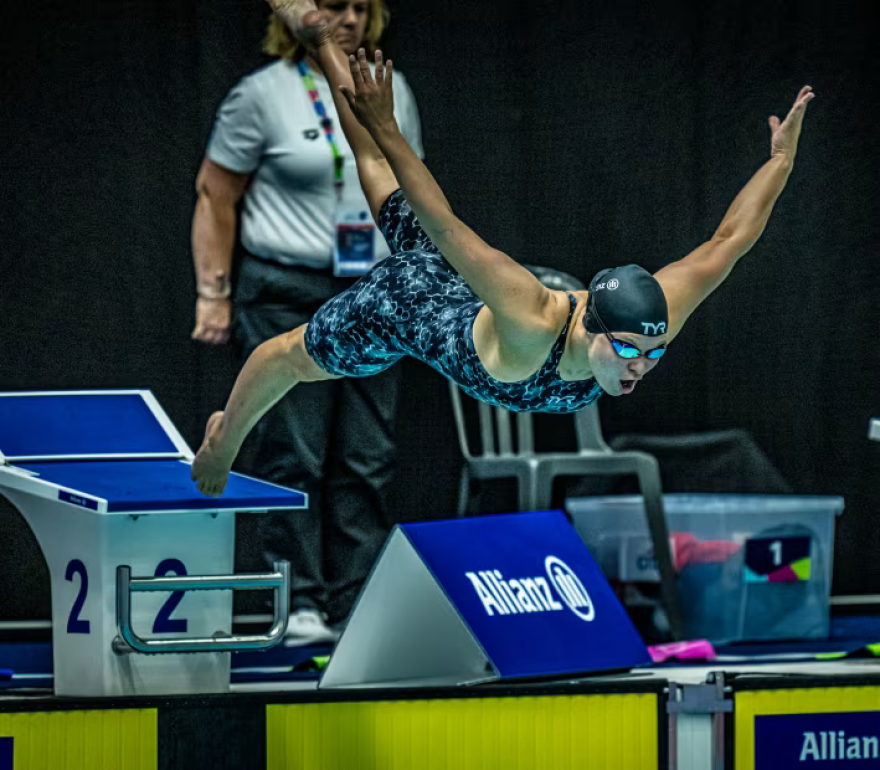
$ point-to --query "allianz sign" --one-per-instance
(521, 595)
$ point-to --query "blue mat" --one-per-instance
(25, 666)
(160, 485)
(31, 664)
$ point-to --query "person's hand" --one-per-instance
(210, 468)
(372, 100)
(308, 25)
(213, 320)
(784, 136)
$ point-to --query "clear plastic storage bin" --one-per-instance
(748, 567)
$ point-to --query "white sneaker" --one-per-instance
(308, 627)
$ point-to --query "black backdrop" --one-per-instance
(577, 136)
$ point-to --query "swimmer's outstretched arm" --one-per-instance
(515, 297)
(689, 281)
(517, 300)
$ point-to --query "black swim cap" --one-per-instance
(627, 299)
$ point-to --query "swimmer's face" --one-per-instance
(619, 376)
(353, 16)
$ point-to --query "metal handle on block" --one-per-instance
(128, 641)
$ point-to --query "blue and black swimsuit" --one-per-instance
(414, 303)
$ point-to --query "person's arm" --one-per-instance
(517, 299)
(689, 281)
(213, 240)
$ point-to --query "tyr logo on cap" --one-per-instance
(649, 328)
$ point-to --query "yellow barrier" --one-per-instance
(83, 740)
(599, 732)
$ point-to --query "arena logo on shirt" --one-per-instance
(523, 595)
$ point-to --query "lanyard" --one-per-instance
(326, 124)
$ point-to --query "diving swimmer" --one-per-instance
(468, 310)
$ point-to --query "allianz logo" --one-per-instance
(519, 596)
(830, 745)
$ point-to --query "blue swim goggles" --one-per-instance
(624, 349)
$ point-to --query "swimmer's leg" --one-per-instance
(400, 226)
(271, 370)
(349, 336)
(313, 30)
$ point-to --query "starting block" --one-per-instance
(103, 480)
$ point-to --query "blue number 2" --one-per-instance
(164, 623)
(74, 624)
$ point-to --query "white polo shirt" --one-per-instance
(267, 127)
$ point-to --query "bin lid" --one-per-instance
(709, 503)
(86, 424)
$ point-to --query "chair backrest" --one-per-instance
(496, 435)
(589, 429)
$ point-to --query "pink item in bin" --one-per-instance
(698, 649)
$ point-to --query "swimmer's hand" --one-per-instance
(784, 136)
(210, 468)
(308, 25)
(372, 100)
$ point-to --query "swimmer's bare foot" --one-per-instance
(309, 26)
(210, 468)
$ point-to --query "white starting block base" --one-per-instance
(84, 614)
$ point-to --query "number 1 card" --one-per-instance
(777, 559)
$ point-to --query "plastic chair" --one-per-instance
(535, 472)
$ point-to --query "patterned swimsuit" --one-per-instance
(414, 303)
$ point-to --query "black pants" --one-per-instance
(334, 440)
